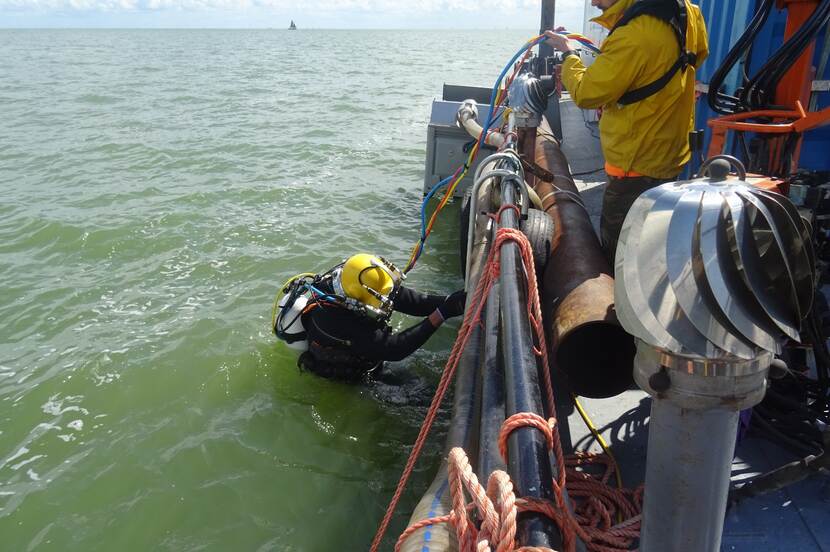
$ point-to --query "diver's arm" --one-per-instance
(415, 303)
(385, 345)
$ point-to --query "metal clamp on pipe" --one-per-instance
(466, 118)
(480, 178)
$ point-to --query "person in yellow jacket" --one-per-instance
(645, 140)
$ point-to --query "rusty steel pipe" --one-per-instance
(586, 340)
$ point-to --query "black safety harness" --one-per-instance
(330, 356)
(674, 13)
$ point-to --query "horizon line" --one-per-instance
(162, 28)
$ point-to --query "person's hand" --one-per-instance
(454, 304)
(560, 42)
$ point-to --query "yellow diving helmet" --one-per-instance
(370, 280)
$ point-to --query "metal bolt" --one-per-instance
(660, 381)
(778, 369)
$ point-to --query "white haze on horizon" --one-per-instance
(517, 14)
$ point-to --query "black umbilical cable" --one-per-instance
(759, 91)
(719, 101)
(795, 408)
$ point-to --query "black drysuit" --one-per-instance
(346, 345)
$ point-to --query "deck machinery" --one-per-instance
(716, 278)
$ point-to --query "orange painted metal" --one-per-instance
(783, 123)
(795, 86)
(793, 91)
(771, 184)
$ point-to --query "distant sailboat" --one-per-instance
(292, 27)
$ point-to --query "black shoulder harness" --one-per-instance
(674, 13)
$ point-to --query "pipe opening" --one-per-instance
(598, 359)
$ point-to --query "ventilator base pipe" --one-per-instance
(687, 478)
(691, 442)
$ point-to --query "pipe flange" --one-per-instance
(697, 383)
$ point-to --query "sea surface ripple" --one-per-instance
(157, 188)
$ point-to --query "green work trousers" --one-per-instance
(620, 194)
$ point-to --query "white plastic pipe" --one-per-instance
(466, 116)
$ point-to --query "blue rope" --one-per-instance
(490, 122)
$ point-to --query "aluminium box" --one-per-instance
(448, 145)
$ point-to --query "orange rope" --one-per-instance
(471, 318)
(523, 419)
(595, 502)
(498, 506)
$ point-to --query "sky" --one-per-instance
(330, 14)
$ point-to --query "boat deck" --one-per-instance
(794, 518)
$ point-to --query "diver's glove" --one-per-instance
(454, 304)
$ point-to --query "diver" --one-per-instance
(339, 319)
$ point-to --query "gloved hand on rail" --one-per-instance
(454, 304)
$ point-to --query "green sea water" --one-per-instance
(157, 188)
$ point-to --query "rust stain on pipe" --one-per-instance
(586, 340)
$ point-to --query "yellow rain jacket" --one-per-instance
(649, 137)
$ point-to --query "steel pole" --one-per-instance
(688, 466)
(548, 21)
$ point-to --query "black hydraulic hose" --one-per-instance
(783, 401)
(817, 22)
(719, 101)
(530, 465)
(822, 357)
(492, 390)
(759, 91)
(762, 421)
(462, 432)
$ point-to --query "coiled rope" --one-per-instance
(595, 501)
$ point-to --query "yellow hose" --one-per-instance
(599, 439)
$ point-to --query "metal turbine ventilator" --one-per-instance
(528, 100)
(712, 276)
